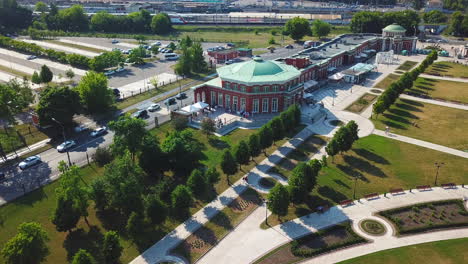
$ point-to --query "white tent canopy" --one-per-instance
(309, 84)
(336, 77)
(190, 109)
(201, 105)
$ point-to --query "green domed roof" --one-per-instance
(258, 70)
(394, 28)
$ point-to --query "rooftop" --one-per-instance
(394, 28)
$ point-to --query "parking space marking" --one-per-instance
(25, 69)
(62, 48)
(85, 44)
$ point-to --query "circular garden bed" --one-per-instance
(335, 122)
(372, 227)
(267, 182)
(376, 91)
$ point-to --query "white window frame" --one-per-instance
(274, 105)
(243, 103)
(220, 99)
(265, 105)
(228, 100)
(213, 98)
(255, 105)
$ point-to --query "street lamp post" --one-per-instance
(64, 139)
(354, 191)
(438, 165)
(266, 211)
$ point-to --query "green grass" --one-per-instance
(362, 103)
(437, 124)
(380, 164)
(385, 83)
(76, 46)
(19, 74)
(442, 252)
(449, 69)
(11, 141)
(407, 65)
(441, 89)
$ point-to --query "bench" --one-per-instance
(423, 187)
(450, 185)
(346, 202)
(371, 196)
(397, 191)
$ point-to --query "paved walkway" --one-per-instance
(248, 242)
(158, 252)
(453, 79)
(422, 143)
(26, 150)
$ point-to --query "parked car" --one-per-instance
(31, 57)
(170, 101)
(79, 129)
(154, 107)
(66, 145)
(108, 73)
(229, 62)
(140, 114)
(114, 41)
(99, 131)
(230, 45)
(181, 96)
(120, 69)
(116, 92)
(157, 43)
(289, 46)
(30, 161)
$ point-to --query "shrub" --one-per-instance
(102, 156)
(179, 123)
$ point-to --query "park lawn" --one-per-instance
(449, 69)
(362, 103)
(441, 89)
(12, 141)
(437, 124)
(385, 83)
(407, 65)
(380, 164)
(76, 46)
(446, 251)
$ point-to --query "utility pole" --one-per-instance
(64, 139)
(438, 165)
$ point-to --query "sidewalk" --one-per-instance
(159, 251)
(26, 150)
(422, 143)
(248, 242)
(453, 79)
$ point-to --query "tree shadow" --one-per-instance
(411, 102)
(408, 107)
(364, 166)
(396, 118)
(112, 219)
(393, 124)
(402, 113)
(341, 183)
(222, 220)
(371, 156)
(423, 87)
(348, 170)
(218, 143)
(78, 239)
(331, 194)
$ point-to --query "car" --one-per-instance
(229, 62)
(289, 46)
(126, 52)
(120, 69)
(157, 43)
(31, 57)
(116, 92)
(154, 107)
(66, 145)
(108, 73)
(99, 131)
(230, 45)
(181, 96)
(170, 101)
(114, 41)
(79, 129)
(461, 39)
(140, 114)
(30, 161)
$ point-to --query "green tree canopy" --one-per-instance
(241, 153)
(41, 7)
(60, 103)
(83, 257)
(155, 209)
(198, 63)
(14, 98)
(278, 200)
(111, 247)
(434, 16)
(161, 24)
(212, 175)
(183, 151)
(297, 28)
(94, 92)
(129, 134)
(151, 158)
(254, 145)
(73, 19)
(46, 74)
(181, 199)
(320, 28)
(197, 182)
(208, 126)
(29, 245)
(228, 163)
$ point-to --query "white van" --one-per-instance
(171, 56)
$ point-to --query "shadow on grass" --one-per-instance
(396, 118)
(112, 219)
(402, 114)
(78, 239)
(331, 194)
(218, 143)
(364, 166)
(348, 170)
(340, 182)
(222, 220)
(371, 156)
(411, 102)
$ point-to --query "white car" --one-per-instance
(99, 131)
(30, 161)
(157, 43)
(66, 145)
(154, 107)
(31, 57)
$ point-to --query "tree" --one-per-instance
(107, 59)
(266, 137)
(278, 200)
(151, 158)
(46, 75)
(129, 134)
(208, 126)
(181, 199)
(212, 175)
(35, 78)
(134, 225)
(456, 23)
(29, 245)
(66, 214)
(297, 28)
(14, 16)
(418, 4)
(197, 59)
(154, 50)
(14, 97)
(94, 92)
(137, 56)
(434, 16)
(184, 152)
(161, 24)
(254, 145)
(60, 103)
(179, 123)
(378, 108)
(83, 257)
(272, 41)
(332, 148)
(154, 81)
(228, 164)
(242, 154)
(73, 19)
(297, 187)
(184, 64)
(197, 182)
(353, 130)
(41, 7)
(155, 209)
(320, 28)
(366, 21)
(70, 74)
(111, 247)
(277, 128)
(186, 42)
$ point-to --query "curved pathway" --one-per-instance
(248, 242)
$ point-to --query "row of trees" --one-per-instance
(459, 5)
(392, 93)
(374, 22)
(343, 139)
(274, 130)
(13, 16)
(192, 59)
(459, 24)
(298, 27)
(74, 19)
